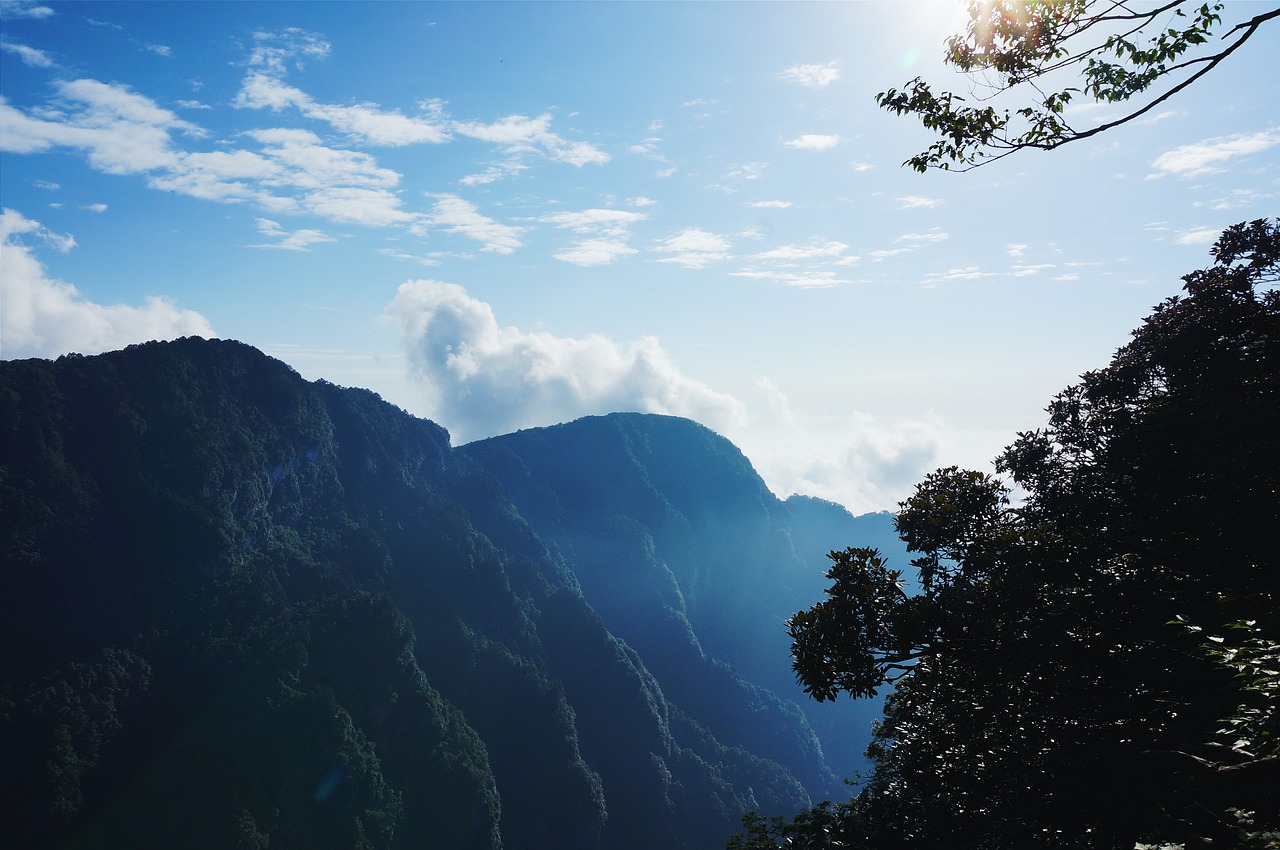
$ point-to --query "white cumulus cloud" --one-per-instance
(47, 318)
(481, 379)
(859, 461)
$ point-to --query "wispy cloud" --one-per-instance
(775, 205)
(916, 202)
(297, 240)
(1211, 155)
(605, 233)
(934, 235)
(961, 273)
(813, 142)
(795, 253)
(494, 173)
(1239, 199)
(799, 279)
(1198, 236)
(23, 9)
(364, 121)
(420, 259)
(480, 379)
(29, 55)
(812, 76)
(456, 215)
(694, 248)
(47, 318)
(521, 134)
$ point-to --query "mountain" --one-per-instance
(239, 609)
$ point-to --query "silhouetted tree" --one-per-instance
(1046, 695)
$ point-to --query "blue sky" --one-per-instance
(503, 215)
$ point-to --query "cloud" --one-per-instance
(494, 173)
(915, 202)
(519, 134)
(364, 121)
(19, 9)
(273, 50)
(812, 76)
(963, 273)
(48, 318)
(813, 142)
(593, 220)
(599, 251)
(884, 253)
(1210, 156)
(481, 379)
(298, 240)
(97, 208)
(264, 88)
(776, 205)
(800, 280)
(121, 132)
(861, 166)
(29, 55)
(1199, 236)
(793, 253)
(806, 266)
(1238, 199)
(694, 248)
(396, 254)
(934, 235)
(1016, 249)
(160, 49)
(859, 461)
(456, 215)
(605, 230)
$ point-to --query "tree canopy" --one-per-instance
(1091, 664)
(1044, 54)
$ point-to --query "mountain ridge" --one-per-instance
(200, 544)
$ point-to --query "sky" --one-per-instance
(508, 215)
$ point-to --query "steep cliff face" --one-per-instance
(687, 555)
(239, 608)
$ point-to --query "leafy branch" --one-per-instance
(1018, 45)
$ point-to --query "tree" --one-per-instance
(1045, 695)
(1044, 53)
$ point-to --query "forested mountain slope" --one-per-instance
(688, 557)
(241, 609)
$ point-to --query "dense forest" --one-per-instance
(244, 610)
(1093, 658)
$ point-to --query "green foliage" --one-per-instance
(1048, 702)
(1025, 49)
(860, 638)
